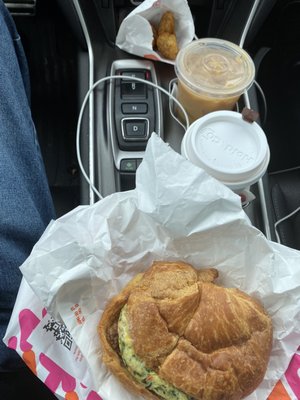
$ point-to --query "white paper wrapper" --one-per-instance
(176, 212)
(135, 33)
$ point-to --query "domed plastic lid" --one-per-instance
(230, 149)
(216, 67)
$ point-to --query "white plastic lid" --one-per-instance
(229, 148)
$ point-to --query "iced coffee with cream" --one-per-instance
(212, 75)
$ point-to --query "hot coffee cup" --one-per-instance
(230, 149)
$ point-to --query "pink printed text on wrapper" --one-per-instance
(57, 376)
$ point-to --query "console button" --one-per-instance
(128, 165)
(134, 74)
(133, 90)
(135, 129)
(134, 108)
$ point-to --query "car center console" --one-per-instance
(134, 112)
(121, 114)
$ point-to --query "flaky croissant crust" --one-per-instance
(210, 342)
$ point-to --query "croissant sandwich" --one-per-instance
(172, 333)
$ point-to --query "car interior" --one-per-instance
(70, 45)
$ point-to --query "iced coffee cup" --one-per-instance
(230, 149)
(212, 75)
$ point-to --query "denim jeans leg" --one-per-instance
(25, 201)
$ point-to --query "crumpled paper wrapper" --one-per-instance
(176, 212)
(135, 33)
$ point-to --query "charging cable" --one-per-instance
(264, 101)
(284, 219)
(85, 100)
(173, 91)
(291, 214)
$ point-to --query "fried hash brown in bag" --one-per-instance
(164, 38)
(167, 45)
(167, 23)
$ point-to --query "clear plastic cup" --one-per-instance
(230, 149)
(212, 75)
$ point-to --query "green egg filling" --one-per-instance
(147, 377)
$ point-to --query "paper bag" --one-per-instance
(135, 33)
(176, 212)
